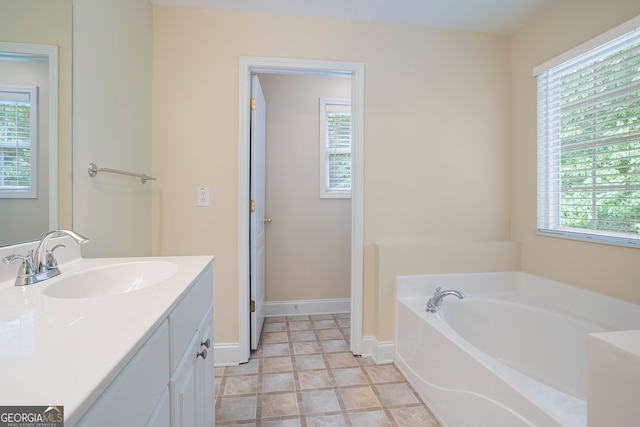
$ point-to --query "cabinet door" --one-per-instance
(161, 417)
(184, 386)
(133, 396)
(206, 401)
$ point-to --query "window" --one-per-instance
(335, 148)
(18, 141)
(589, 144)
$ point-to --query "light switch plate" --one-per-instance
(203, 197)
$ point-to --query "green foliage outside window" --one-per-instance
(15, 144)
(339, 150)
(600, 145)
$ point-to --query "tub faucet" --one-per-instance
(437, 297)
(41, 264)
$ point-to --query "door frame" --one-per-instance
(251, 65)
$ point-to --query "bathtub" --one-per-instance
(512, 353)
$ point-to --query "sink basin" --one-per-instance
(111, 279)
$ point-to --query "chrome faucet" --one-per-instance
(41, 265)
(437, 297)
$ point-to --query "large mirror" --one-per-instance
(35, 69)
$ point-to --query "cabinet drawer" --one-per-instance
(186, 317)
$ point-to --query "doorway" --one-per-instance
(256, 65)
(307, 214)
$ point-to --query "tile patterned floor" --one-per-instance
(304, 375)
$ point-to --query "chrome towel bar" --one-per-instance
(93, 171)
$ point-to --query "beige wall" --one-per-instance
(610, 270)
(308, 244)
(112, 125)
(34, 212)
(437, 128)
(48, 22)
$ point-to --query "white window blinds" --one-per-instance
(589, 144)
(335, 147)
(18, 132)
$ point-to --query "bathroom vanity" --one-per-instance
(118, 341)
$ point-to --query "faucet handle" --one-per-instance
(26, 269)
(51, 260)
(438, 289)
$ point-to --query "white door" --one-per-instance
(258, 219)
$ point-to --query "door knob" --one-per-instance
(267, 220)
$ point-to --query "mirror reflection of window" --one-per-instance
(18, 141)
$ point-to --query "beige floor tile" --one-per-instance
(218, 371)
(349, 377)
(341, 360)
(327, 421)
(276, 364)
(274, 327)
(334, 346)
(300, 325)
(413, 416)
(251, 367)
(395, 394)
(324, 324)
(384, 373)
(241, 384)
(303, 374)
(329, 334)
(293, 422)
(236, 408)
(358, 398)
(274, 337)
(376, 418)
(344, 323)
(279, 405)
(302, 336)
(277, 349)
(315, 379)
(305, 362)
(306, 347)
(278, 382)
(319, 401)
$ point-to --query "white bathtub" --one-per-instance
(512, 353)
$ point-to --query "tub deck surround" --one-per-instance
(66, 351)
(513, 352)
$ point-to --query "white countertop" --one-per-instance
(56, 351)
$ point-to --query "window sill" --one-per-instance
(591, 238)
(335, 194)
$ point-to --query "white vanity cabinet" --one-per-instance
(132, 398)
(170, 381)
(192, 383)
(191, 386)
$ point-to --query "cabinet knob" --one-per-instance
(202, 354)
(206, 343)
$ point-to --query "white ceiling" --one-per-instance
(489, 16)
